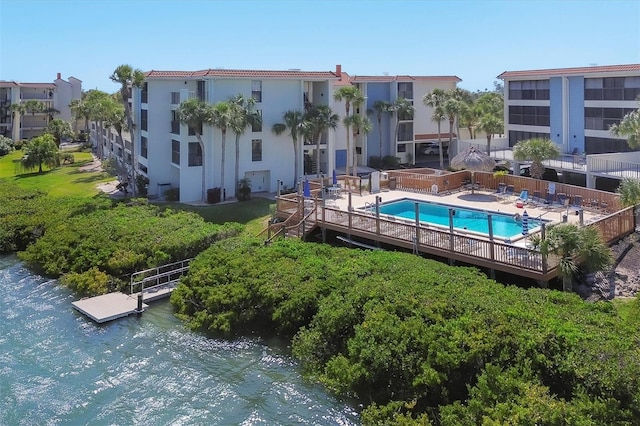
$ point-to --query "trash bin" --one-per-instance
(213, 195)
(392, 183)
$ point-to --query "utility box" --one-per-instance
(392, 183)
(213, 195)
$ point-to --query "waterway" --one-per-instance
(57, 367)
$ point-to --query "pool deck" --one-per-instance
(479, 200)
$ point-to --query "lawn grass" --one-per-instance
(63, 181)
(254, 213)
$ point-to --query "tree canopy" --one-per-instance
(39, 151)
(536, 150)
(417, 341)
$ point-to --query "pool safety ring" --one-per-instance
(434, 189)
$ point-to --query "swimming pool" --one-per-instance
(505, 226)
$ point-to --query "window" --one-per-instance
(529, 115)
(529, 89)
(144, 92)
(405, 132)
(175, 123)
(256, 90)
(144, 145)
(256, 150)
(201, 93)
(195, 154)
(611, 89)
(175, 98)
(119, 152)
(257, 127)
(402, 147)
(129, 158)
(93, 126)
(516, 136)
(603, 118)
(143, 119)
(405, 90)
(175, 152)
(604, 145)
(142, 168)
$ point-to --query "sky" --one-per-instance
(474, 40)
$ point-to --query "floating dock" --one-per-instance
(108, 306)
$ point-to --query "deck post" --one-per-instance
(378, 199)
(417, 215)
(350, 211)
(491, 243)
(451, 238)
(139, 308)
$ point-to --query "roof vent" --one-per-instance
(294, 69)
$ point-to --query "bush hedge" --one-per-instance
(417, 341)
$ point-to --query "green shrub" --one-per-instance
(172, 194)
(67, 158)
(142, 185)
(92, 282)
(6, 145)
(423, 341)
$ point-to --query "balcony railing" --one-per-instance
(28, 96)
(175, 127)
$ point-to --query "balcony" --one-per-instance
(38, 96)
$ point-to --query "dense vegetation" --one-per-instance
(420, 341)
(98, 240)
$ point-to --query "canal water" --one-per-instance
(57, 367)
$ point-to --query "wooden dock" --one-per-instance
(109, 307)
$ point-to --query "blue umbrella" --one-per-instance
(307, 189)
(335, 177)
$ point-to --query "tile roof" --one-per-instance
(49, 85)
(577, 70)
(389, 78)
(5, 83)
(242, 74)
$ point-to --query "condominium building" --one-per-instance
(44, 101)
(169, 154)
(574, 107)
(406, 132)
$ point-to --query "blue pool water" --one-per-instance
(504, 225)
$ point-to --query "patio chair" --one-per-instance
(508, 192)
(576, 202)
(537, 198)
(524, 197)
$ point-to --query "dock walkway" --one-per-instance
(109, 307)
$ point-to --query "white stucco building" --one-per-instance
(56, 98)
(169, 154)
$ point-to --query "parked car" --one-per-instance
(431, 148)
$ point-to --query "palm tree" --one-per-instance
(629, 128)
(59, 129)
(243, 116)
(490, 124)
(536, 150)
(318, 120)
(17, 110)
(80, 110)
(352, 96)
(381, 107)
(129, 77)
(358, 124)
(222, 118)
(403, 109)
(451, 107)
(436, 100)
(33, 106)
(292, 121)
(195, 113)
(578, 248)
(629, 191)
(40, 150)
(98, 105)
